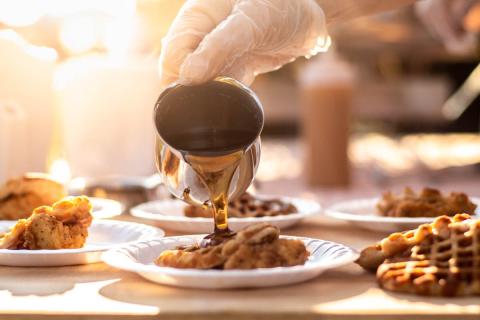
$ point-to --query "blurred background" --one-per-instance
(389, 104)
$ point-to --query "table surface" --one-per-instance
(98, 291)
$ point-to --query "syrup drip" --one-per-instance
(214, 156)
(216, 174)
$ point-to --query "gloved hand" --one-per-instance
(239, 38)
(445, 20)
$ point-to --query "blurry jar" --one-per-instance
(26, 86)
(326, 86)
(106, 128)
(14, 143)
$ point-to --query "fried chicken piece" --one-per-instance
(62, 226)
(256, 246)
(18, 197)
(12, 239)
(246, 205)
(70, 211)
(428, 203)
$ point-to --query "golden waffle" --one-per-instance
(428, 203)
(18, 197)
(245, 206)
(256, 246)
(437, 259)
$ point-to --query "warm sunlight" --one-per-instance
(60, 170)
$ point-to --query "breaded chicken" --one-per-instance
(62, 226)
(19, 197)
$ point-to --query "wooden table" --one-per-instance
(98, 291)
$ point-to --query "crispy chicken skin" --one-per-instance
(18, 197)
(62, 226)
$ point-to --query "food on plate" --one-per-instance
(437, 259)
(256, 246)
(246, 205)
(62, 226)
(18, 197)
(428, 203)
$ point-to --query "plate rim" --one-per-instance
(108, 258)
(335, 211)
(117, 205)
(156, 233)
(139, 212)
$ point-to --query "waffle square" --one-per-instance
(256, 246)
(245, 206)
(437, 259)
(428, 202)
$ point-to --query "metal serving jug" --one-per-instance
(210, 119)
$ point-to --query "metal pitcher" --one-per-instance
(219, 105)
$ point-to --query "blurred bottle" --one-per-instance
(326, 86)
(26, 78)
(14, 142)
(108, 129)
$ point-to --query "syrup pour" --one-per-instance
(214, 158)
(216, 174)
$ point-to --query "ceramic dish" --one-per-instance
(103, 235)
(363, 213)
(139, 258)
(169, 215)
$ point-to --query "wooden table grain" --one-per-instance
(98, 291)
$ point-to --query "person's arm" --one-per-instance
(344, 10)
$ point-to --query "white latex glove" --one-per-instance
(239, 38)
(445, 20)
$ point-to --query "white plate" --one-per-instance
(139, 258)
(105, 208)
(363, 213)
(169, 215)
(103, 235)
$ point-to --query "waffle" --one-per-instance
(428, 203)
(256, 246)
(246, 206)
(18, 197)
(437, 259)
